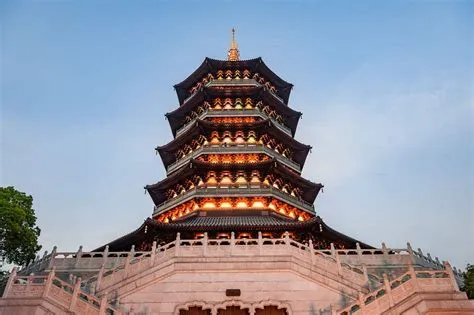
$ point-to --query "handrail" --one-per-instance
(205, 246)
(367, 301)
(231, 190)
(233, 113)
(233, 148)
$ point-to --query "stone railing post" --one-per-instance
(205, 241)
(78, 256)
(366, 274)
(43, 260)
(100, 275)
(361, 302)
(153, 253)
(452, 277)
(103, 304)
(336, 257)
(232, 243)
(177, 244)
(311, 251)
(359, 251)
(130, 255)
(11, 280)
(416, 284)
(105, 254)
(260, 243)
(51, 259)
(388, 289)
(49, 281)
(287, 240)
(384, 250)
(410, 253)
(75, 294)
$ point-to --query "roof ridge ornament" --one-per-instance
(233, 54)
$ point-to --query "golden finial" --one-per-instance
(233, 54)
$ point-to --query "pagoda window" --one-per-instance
(220, 75)
(209, 203)
(238, 103)
(227, 103)
(242, 203)
(228, 74)
(258, 203)
(226, 180)
(237, 74)
(227, 203)
(246, 73)
(241, 180)
(248, 103)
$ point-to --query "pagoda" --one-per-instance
(234, 165)
(234, 229)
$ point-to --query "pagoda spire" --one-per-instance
(233, 54)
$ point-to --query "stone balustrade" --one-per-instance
(360, 259)
(217, 248)
(64, 296)
(395, 291)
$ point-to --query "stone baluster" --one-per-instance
(388, 289)
(420, 252)
(450, 272)
(100, 275)
(49, 281)
(260, 243)
(414, 279)
(359, 250)
(105, 254)
(361, 302)
(287, 240)
(177, 244)
(103, 304)
(410, 253)
(11, 280)
(75, 294)
(153, 253)
(205, 242)
(366, 274)
(128, 259)
(43, 260)
(336, 256)
(311, 251)
(232, 243)
(78, 256)
(428, 255)
(52, 258)
(384, 250)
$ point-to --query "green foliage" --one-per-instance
(468, 286)
(18, 231)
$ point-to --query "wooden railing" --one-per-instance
(235, 190)
(233, 148)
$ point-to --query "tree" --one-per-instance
(18, 231)
(468, 286)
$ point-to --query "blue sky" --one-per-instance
(386, 91)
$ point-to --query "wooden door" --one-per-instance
(233, 310)
(270, 310)
(195, 311)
